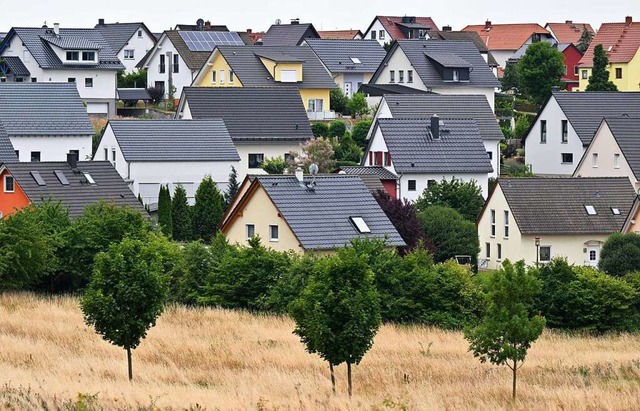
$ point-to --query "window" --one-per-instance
(499, 251)
(231, 76)
(106, 154)
(567, 158)
(251, 231)
(430, 183)
(113, 156)
(9, 184)
(71, 80)
(456, 75)
(493, 223)
(400, 76)
(381, 34)
(35, 156)
(411, 185)
(543, 131)
(506, 224)
(315, 105)
(387, 159)
(378, 158)
(616, 161)
(565, 69)
(222, 76)
(594, 160)
(213, 76)
(565, 131)
(89, 179)
(162, 66)
(360, 224)
(373, 35)
(592, 255)
(73, 56)
(585, 74)
(392, 76)
(176, 63)
(545, 253)
(88, 56)
(487, 247)
(19, 80)
(255, 160)
(18, 154)
(619, 72)
(139, 34)
(490, 155)
(34, 79)
(615, 211)
(26, 56)
(355, 60)
(88, 82)
(409, 76)
(129, 54)
(575, 71)
(591, 210)
(273, 233)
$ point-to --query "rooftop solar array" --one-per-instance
(207, 40)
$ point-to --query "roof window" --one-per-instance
(360, 225)
(591, 210)
(355, 60)
(61, 177)
(38, 178)
(615, 211)
(90, 179)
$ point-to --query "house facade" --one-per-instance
(293, 34)
(385, 29)
(131, 41)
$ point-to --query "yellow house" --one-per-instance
(621, 41)
(538, 219)
(258, 66)
(319, 214)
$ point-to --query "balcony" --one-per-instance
(321, 115)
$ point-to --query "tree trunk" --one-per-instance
(333, 378)
(349, 377)
(515, 370)
(129, 361)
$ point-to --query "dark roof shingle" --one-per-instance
(7, 152)
(118, 34)
(337, 55)
(289, 34)
(626, 131)
(16, 66)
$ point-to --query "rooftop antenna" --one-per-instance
(313, 170)
(278, 22)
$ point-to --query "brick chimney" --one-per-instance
(446, 28)
(100, 22)
(207, 25)
(487, 24)
(628, 20)
(249, 31)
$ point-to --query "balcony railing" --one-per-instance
(321, 115)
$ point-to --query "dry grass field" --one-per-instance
(215, 359)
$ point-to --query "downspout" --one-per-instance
(400, 186)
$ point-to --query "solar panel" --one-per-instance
(61, 177)
(36, 176)
(207, 40)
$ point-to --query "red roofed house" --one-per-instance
(568, 32)
(503, 40)
(388, 28)
(341, 34)
(621, 42)
(572, 57)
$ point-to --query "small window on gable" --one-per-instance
(360, 224)
(139, 33)
(355, 60)
(9, 184)
(273, 233)
(591, 210)
(213, 76)
(615, 211)
(251, 231)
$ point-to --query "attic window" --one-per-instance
(615, 211)
(360, 225)
(38, 178)
(591, 210)
(355, 60)
(90, 179)
(61, 177)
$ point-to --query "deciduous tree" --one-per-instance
(319, 151)
(620, 254)
(451, 234)
(539, 70)
(275, 165)
(463, 196)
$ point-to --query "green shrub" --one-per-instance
(620, 254)
(450, 233)
(337, 128)
(320, 129)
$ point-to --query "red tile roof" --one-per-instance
(506, 36)
(340, 34)
(390, 23)
(620, 40)
(568, 32)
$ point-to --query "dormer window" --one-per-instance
(88, 56)
(73, 56)
(451, 67)
(456, 75)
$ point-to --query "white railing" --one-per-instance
(321, 115)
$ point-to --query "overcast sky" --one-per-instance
(324, 14)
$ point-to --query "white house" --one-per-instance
(565, 125)
(426, 150)
(131, 41)
(150, 153)
(385, 29)
(79, 56)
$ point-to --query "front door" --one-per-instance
(347, 90)
(593, 255)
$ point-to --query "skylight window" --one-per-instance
(360, 225)
(39, 180)
(61, 177)
(591, 210)
(355, 60)
(615, 211)
(90, 179)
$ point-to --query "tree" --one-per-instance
(337, 128)
(585, 40)
(208, 210)
(338, 312)
(275, 165)
(510, 325)
(620, 254)
(320, 129)
(599, 78)
(338, 101)
(404, 217)
(347, 151)
(181, 215)
(450, 232)
(539, 70)
(126, 294)
(357, 105)
(360, 131)
(463, 196)
(509, 80)
(135, 79)
(319, 151)
(232, 187)
(156, 94)
(165, 220)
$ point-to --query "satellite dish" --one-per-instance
(313, 169)
(200, 24)
(278, 21)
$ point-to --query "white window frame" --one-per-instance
(213, 76)
(381, 34)
(13, 184)
(392, 76)
(455, 75)
(271, 237)
(492, 220)
(499, 252)
(221, 77)
(616, 160)
(543, 131)
(409, 76)
(129, 54)
(400, 76)
(314, 104)
(594, 160)
(506, 224)
(487, 250)
(564, 131)
(540, 253)
(88, 82)
(246, 230)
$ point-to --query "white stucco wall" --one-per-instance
(377, 26)
(399, 61)
(502, 56)
(488, 92)
(546, 158)
(183, 78)
(493, 147)
(270, 149)
(51, 148)
(140, 47)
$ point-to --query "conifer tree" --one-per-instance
(208, 209)
(599, 79)
(232, 187)
(165, 221)
(585, 40)
(181, 215)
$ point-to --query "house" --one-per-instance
(505, 39)
(179, 55)
(375, 178)
(425, 150)
(7, 152)
(571, 56)
(264, 122)
(385, 29)
(439, 66)
(350, 62)
(614, 151)
(131, 41)
(13, 70)
(621, 42)
(75, 184)
(307, 213)
(293, 34)
(45, 121)
(447, 34)
(565, 125)
(282, 66)
(568, 32)
(150, 153)
(80, 56)
(538, 219)
(341, 34)
(476, 107)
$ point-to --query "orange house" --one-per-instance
(11, 195)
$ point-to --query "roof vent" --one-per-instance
(56, 29)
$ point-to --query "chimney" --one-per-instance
(72, 160)
(207, 25)
(568, 21)
(249, 31)
(56, 29)
(295, 21)
(435, 127)
(100, 22)
(628, 20)
(487, 24)
(300, 174)
(446, 28)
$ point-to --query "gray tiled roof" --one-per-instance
(413, 150)
(448, 59)
(379, 90)
(16, 66)
(337, 54)
(585, 110)
(626, 131)
(118, 34)
(7, 152)
(252, 113)
(193, 59)
(174, 140)
(377, 171)
(248, 67)
(38, 40)
(43, 109)
(557, 205)
(278, 56)
(472, 36)
(480, 75)
(289, 34)
(78, 193)
(320, 218)
(447, 105)
(133, 94)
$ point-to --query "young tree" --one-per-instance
(404, 217)
(181, 215)
(275, 165)
(585, 40)
(539, 70)
(510, 325)
(360, 131)
(338, 312)
(337, 128)
(232, 187)
(165, 220)
(358, 106)
(509, 80)
(451, 234)
(126, 294)
(347, 150)
(319, 151)
(620, 254)
(464, 197)
(599, 78)
(208, 210)
(338, 101)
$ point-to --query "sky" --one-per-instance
(258, 15)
